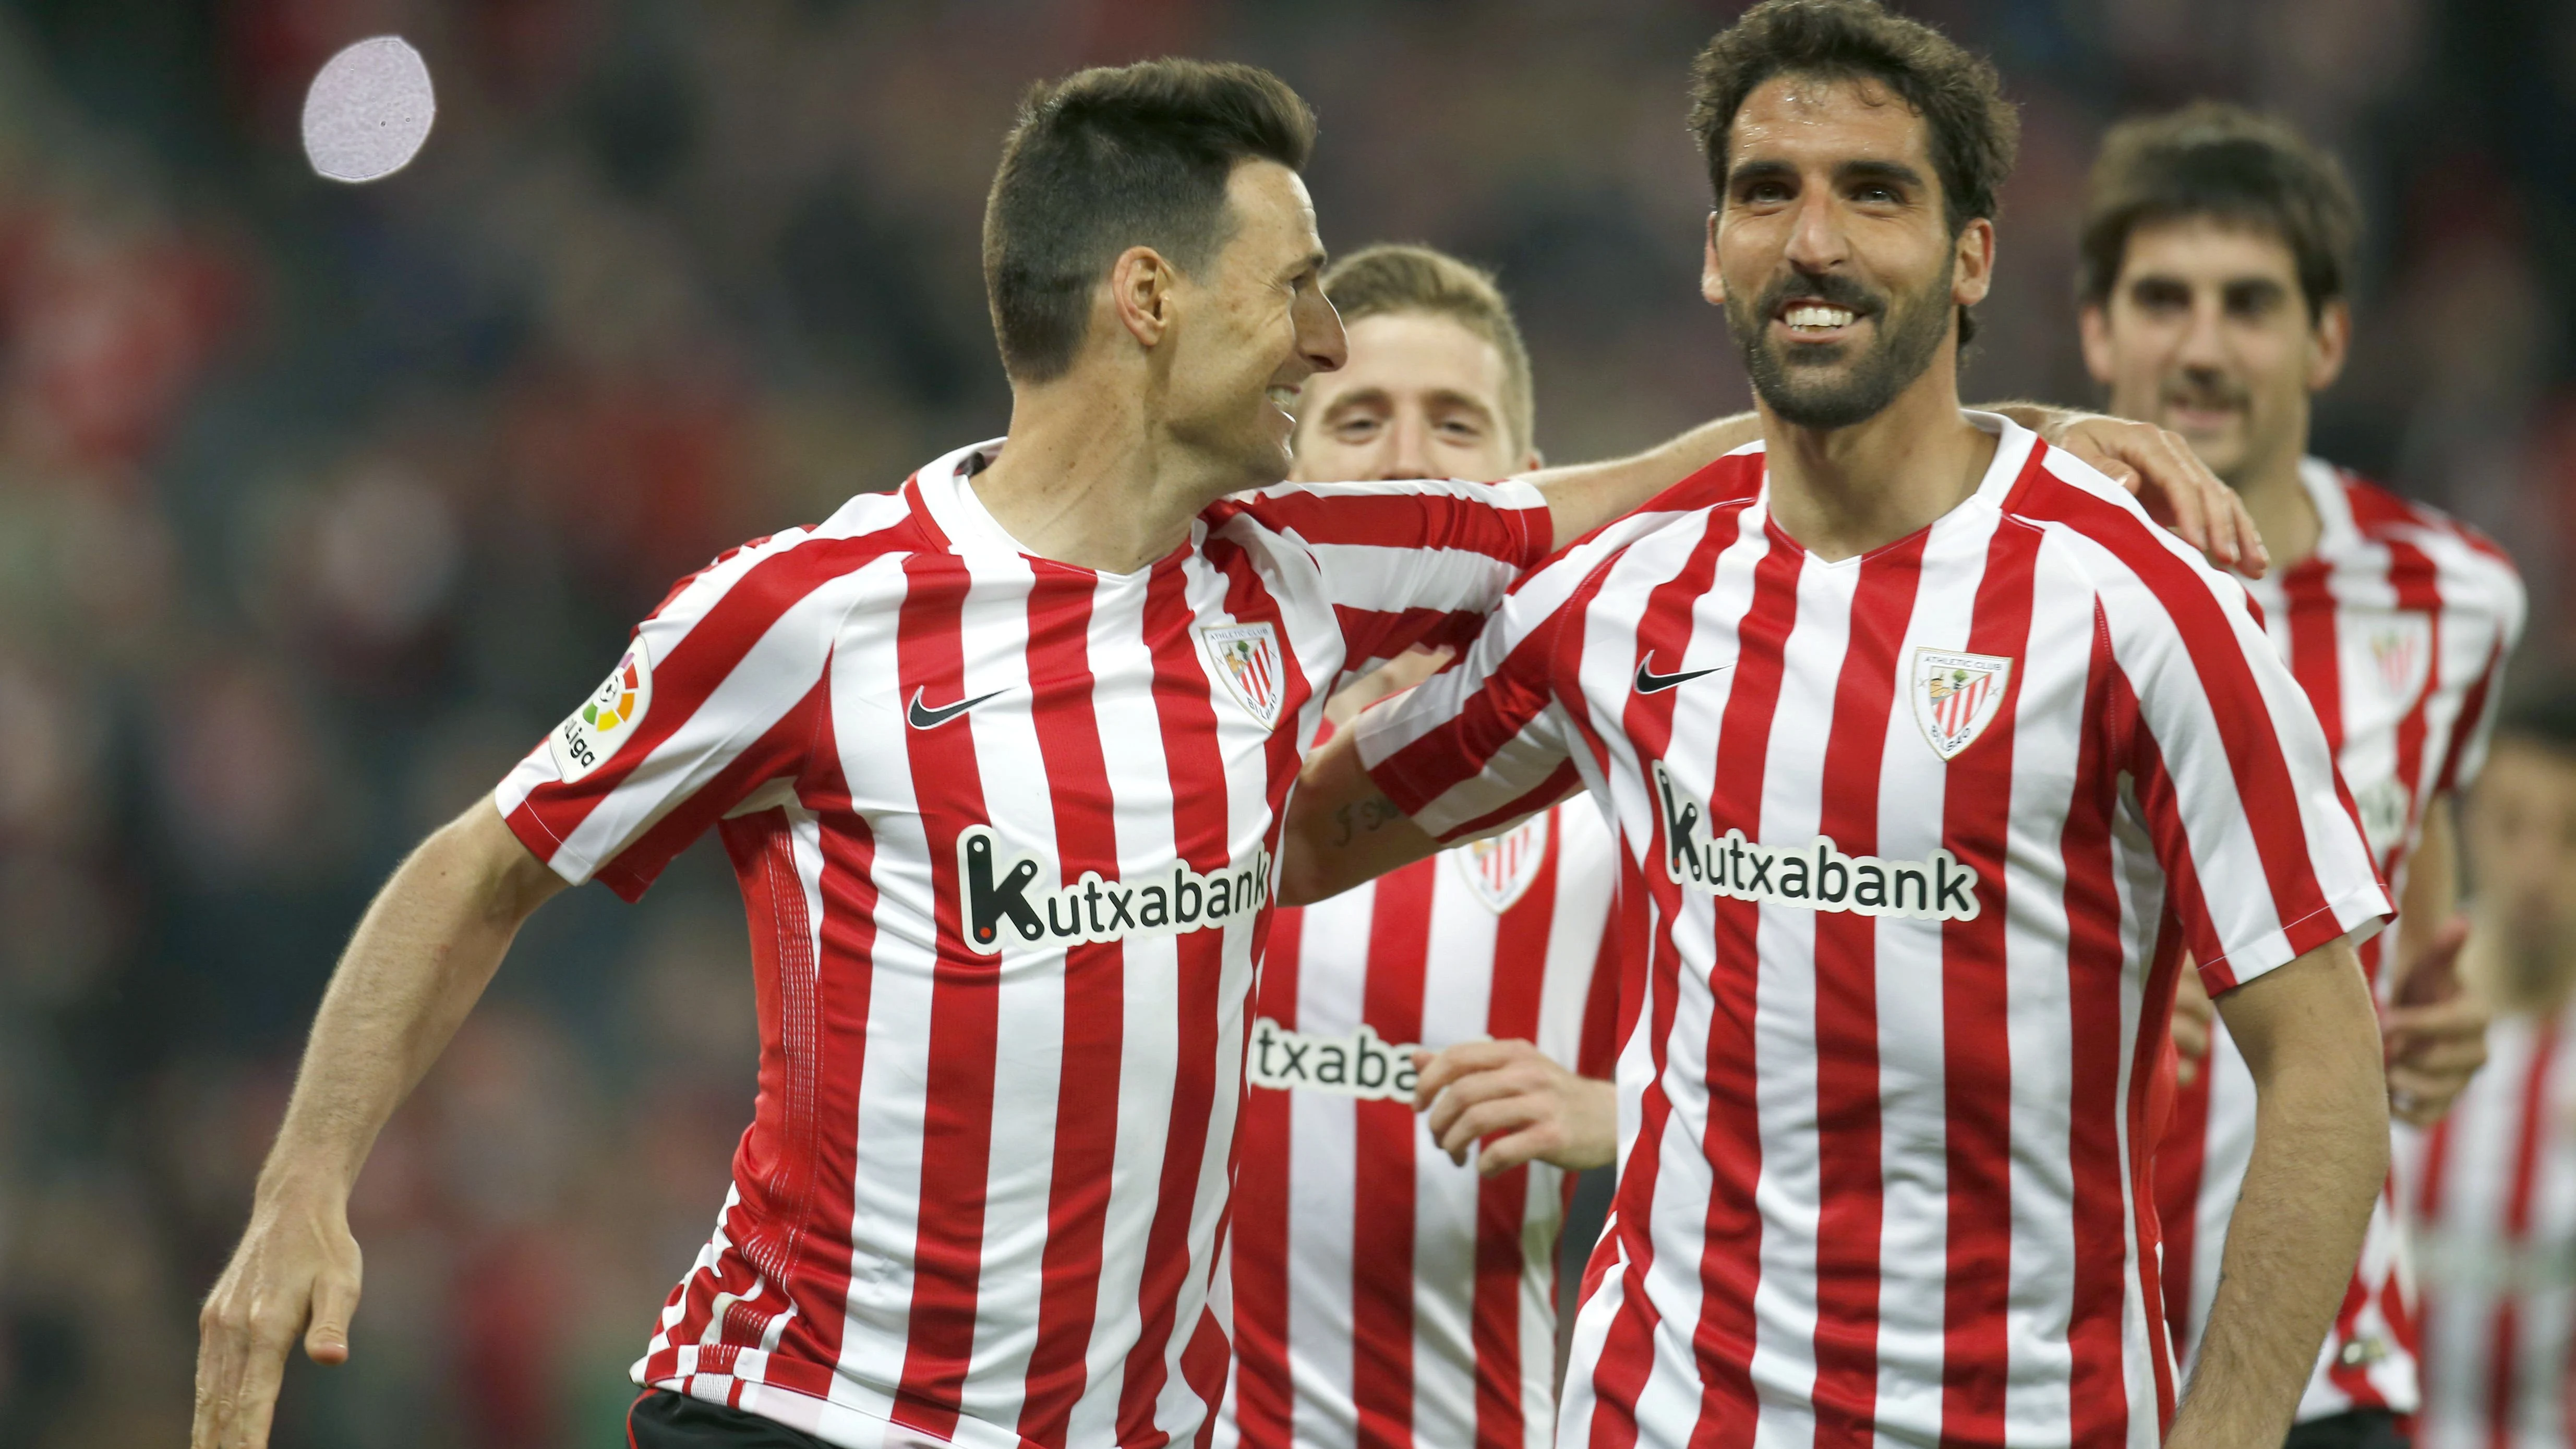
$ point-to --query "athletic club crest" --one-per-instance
(1956, 696)
(1246, 658)
(2401, 655)
(1499, 870)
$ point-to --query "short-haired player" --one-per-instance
(2215, 264)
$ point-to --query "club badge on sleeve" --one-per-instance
(1956, 696)
(1245, 657)
(593, 733)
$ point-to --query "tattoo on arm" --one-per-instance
(1364, 817)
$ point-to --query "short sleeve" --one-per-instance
(2505, 606)
(1411, 562)
(2231, 775)
(1486, 741)
(715, 697)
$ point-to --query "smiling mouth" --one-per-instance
(1284, 396)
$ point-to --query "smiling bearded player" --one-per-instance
(1933, 761)
(2215, 250)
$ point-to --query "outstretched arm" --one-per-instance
(2177, 488)
(2310, 1036)
(420, 958)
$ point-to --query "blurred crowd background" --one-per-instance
(318, 504)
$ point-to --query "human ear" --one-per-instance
(1711, 285)
(1974, 274)
(1140, 293)
(2329, 343)
(2094, 324)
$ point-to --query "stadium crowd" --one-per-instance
(318, 504)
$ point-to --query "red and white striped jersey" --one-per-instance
(1383, 1294)
(1923, 836)
(2494, 1187)
(2397, 628)
(1003, 828)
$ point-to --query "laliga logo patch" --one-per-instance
(1245, 657)
(1956, 696)
(592, 733)
(1499, 870)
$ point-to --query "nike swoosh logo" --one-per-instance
(1649, 682)
(923, 718)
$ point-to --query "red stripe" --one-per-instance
(2473, 709)
(1976, 997)
(2096, 963)
(1198, 791)
(2503, 1388)
(2181, 1154)
(1086, 1116)
(1852, 1205)
(1627, 1351)
(1382, 1188)
(1404, 518)
(1519, 975)
(1731, 1233)
(2308, 604)
(1264, 1396)
(957, 1105)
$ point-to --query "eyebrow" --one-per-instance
(1439, 397)
(1848, 171)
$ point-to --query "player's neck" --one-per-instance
(2276, 497)
(1085, 478)
(1845, 491)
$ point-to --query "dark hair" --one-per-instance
(2543, 715)
(1393, 278)
(1974, 130)
(1106, 159)
(2217, 160)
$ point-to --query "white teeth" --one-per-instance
(1819, 315)
(1285, 397)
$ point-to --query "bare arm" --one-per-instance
(2437, 1024)
(421, 956)
(1583, 496)
(1341, 829)
(2310, 1036)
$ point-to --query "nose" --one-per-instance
(1408, 448)
(1817, 242)
(2204, 341)
(1320, 339)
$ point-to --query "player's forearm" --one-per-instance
(419, 959)
(1583, 496)
(2432, 894)
(2320, 1158)
(1341, 829)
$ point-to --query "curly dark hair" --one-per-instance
(1974, 130)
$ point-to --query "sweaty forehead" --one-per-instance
(1810, 119)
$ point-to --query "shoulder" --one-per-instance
(2474, 569)
(794, 562)
(2094, 533)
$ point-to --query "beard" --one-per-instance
(1802, 382)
